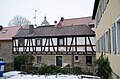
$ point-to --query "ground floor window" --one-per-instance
(39, 59)
(89, 60)
(59, 61)
(76, 58)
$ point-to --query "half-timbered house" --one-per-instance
(62, 46)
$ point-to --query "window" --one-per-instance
(114, 38)
(98, 45)
(61, 41)
(39, 59)
(107, 41)
(89, 60)
(101, 8)
(76, 58)
(118, 36)
(59, 61)
(20, 42)
(38, 42)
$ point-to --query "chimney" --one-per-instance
(31, 29)
(55, 23)
(1, 27)
(62, 19)
(60, 22)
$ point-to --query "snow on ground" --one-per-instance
(44, 77)
(11, 74)
(16, 75)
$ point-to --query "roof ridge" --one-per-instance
(11, 26)
(79, 18)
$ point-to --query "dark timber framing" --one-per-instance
(67, 47)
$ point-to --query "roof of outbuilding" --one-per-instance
(52, 31)
(8, 32)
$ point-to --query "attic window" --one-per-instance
(21, 41)
(4, 31)
(61, 41)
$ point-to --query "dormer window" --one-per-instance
(61, 41)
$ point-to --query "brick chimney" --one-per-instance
(31, 29)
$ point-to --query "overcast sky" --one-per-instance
(54, 9)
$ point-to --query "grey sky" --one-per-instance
(54, 9)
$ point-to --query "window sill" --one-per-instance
(88, 64)
(76, 61)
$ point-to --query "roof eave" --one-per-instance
(92, 35)
(95, 8)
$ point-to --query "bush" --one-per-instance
(103, 67)
(77, 70)
(52, 69)
(22, 62)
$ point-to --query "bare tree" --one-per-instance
(19, 21)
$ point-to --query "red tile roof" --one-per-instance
(8, 32)
(78, 21)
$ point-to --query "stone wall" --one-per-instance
(6, 51)
(50, 59)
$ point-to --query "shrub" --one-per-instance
(103, 67)
(77, 70)
(22, 62)
(52, 69)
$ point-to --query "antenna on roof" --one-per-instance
(35, 16)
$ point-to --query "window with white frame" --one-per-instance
(116, 36)
(103, 42)
(107, 41)
(101, 8)
(76, 58)
(97, 46)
